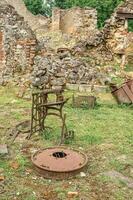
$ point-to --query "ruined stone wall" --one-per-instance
(126, 7)
(89, 60)
(34, 22)
(129, 50)
(116, 31)
(115, 34)
(74, 21)
(2, 53)
(86, 61)
(18, 45)
(78, 65)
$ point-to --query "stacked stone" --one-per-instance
(115, 34)
(129, 50)
(29, 47)
(1, 47)
(116, 28)
(18, 44)
(21, 53)
(62, 68)
(126, 7)
(68, 23)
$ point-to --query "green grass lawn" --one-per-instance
(105, 134)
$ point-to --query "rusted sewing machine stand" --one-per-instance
(41, 108)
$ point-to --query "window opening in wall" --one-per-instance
(130, 25)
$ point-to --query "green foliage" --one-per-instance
(104, 7)
(47, 7)
(103, 133)
(40, 7)
(130, 25)
(35, 6)
(61, 4)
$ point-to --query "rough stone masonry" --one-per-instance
(65, 50)
(17, 45)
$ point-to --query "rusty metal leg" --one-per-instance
(32, 119)
(64, 127)
(44, 117)
(63, 117)
(63, 131)
(31, 130)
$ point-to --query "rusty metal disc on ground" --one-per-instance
(59, 162)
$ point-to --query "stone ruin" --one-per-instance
(116, 31)
(17, 46)
(62, 50)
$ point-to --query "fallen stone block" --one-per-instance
(118, 176)
(3, 149)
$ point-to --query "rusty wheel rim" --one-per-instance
(56, 161)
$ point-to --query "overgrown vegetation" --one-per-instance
(104, 133)
(130, 25)
(104, 7)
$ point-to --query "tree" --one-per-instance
(104, 7)
(47, 7)
(61, 4)
(43, 7)
(130, 25)
(35, 6)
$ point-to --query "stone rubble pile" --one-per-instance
(72, 52)
(62, 68)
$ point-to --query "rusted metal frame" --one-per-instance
(50, 107)
(43, 121)
(36, 111)
(32, 112)
(36, 124)
(64, 130)
(44, 110)
(53, 104)
(49, 91)
(60, 115)
(39, 113)
(54, 114)
(40, 108)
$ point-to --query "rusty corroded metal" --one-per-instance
(59, 162)
(41, 108)
(22, 127)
